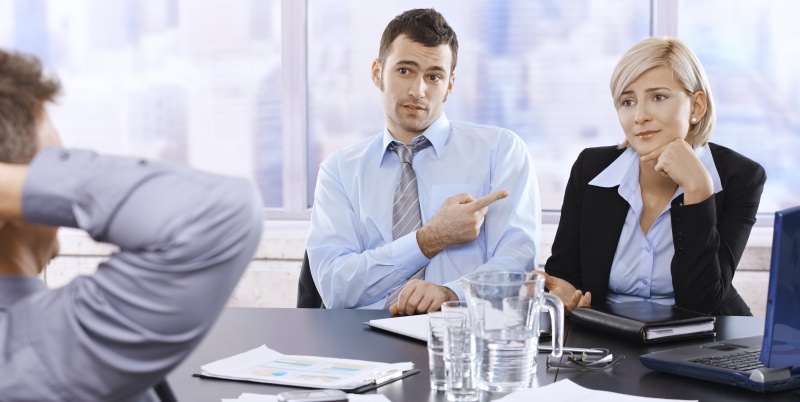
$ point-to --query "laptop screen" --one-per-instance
(781, 346)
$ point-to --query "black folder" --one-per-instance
(644, 321)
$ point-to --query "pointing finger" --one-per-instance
(489, 199)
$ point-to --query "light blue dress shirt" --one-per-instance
(184, 238)
(354, 260)
(641, 266)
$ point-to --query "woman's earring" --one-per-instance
(694, 120)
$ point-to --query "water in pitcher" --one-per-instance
(509, 360)
(505, 309)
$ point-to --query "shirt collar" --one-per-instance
(437, 133)
(615, 173)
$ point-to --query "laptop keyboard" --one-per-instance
(742, 361)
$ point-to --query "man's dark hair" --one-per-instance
(24, 91)
(422, 25)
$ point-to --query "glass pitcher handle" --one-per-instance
(556, 309)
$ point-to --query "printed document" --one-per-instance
(263, 364)
(272, 398)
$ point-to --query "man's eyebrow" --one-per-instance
(413, 63)
(437, 68)
(407, 63)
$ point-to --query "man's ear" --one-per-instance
(376, 74)
(451, 82)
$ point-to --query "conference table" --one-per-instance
(343, 334)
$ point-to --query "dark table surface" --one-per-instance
(314, 332)
(631, 377)
(342, 333)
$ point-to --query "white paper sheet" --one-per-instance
(263, 364)
(568, 391)
(414, 326)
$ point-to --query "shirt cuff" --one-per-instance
(407, 254)
(51, 188)
(455, 286)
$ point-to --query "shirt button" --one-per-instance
(648, 249)
(142, 162)
(644, 281)
(63, 155)
(681, 251)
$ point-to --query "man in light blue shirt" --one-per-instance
(461, 169)
(184, 238)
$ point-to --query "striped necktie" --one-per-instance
(407, 216)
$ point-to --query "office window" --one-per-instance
(201, 82)
(539, 68)
(196, 82)
(748, 50)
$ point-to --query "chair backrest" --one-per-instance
(164, 392)
(307, 293)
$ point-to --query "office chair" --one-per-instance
(164, 392)
(307, 293)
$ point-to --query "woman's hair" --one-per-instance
(686, 68)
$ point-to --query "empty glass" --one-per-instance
(436, 350)
(460, 353)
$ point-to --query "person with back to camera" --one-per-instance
(399, 218)
(184, 238)
(664, 217)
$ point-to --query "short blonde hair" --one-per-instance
(686, 68)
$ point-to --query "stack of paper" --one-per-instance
(273, 398)
(413, 326)
(263, 364)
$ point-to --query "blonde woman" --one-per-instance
(666, 215)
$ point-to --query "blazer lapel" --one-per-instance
(604, 212)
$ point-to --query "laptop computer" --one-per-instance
(764, 364)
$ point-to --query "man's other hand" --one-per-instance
(420, 297)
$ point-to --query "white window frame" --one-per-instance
(294, 112)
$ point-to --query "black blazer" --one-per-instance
(709, 237)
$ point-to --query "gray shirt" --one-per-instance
(184, 238)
